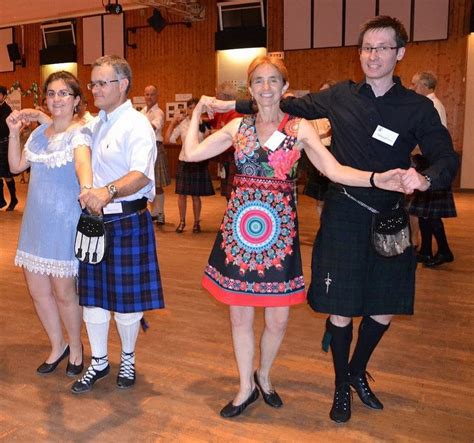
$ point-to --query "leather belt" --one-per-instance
(125, 207)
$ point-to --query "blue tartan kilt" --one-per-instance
(128, 279)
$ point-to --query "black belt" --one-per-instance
(129, 207)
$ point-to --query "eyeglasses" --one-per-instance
(100, 83)
(62, 93)
(367, 50)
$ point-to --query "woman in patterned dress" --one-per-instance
(55, 151)
(256, 257)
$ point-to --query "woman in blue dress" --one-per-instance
(256, 257)
(55, 151)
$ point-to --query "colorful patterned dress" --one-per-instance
(256, 258)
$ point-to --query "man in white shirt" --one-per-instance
(162, 177)
(424, 83)
(127, 282)
(430, 207)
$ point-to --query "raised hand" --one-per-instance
(14, 122)
(34, 115)
(212, 105)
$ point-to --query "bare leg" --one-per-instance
(320, 207)
(415, 231)
(41, 291)
(197, 208)
(276, 321)
(182, 207)
(241, 318)
(64, 290)
(382, 319)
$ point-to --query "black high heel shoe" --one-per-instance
(196, 228)
(180, 227)
(73, 370)
(230, 410)
(271, 398)
(47, 368)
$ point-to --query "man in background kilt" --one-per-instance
(376, 124)
(127, 281)
(162, 176)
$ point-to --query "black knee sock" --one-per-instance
(426, 234)
(370, 333)
(12, 189)
(437, 227)
(340, 343)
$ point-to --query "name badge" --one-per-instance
(385, 135)
(112, 208)
(275, 140)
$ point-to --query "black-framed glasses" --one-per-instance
(62, 93)
(367, 50)
(100, 83)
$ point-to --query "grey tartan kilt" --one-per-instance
(162, 174)
(432, 204)
(128, 279)
(348, 277)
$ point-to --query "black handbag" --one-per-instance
(91, 241)
(390, 229)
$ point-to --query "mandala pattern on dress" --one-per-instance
(258, 229)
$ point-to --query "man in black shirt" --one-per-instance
(375, 125)
(5, 173)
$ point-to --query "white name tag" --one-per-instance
(113, 208)
(385, 135)
(275, 140)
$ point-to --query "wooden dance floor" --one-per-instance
(424, 368)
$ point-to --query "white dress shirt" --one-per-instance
(123, 141)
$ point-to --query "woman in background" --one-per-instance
(191, 178)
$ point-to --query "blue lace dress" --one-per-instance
(256, 258)
(46, 244)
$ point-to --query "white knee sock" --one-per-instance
(160, 203)
(97, 324)
(128, 326)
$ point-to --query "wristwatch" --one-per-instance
(112, 190)
(428, 179)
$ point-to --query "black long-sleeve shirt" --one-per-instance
(355, 112)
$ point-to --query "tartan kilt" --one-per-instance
(432, 204)
(348, 277)
(128, 279)
(162, 175)
(193, 179)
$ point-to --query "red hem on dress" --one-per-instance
(241, 299)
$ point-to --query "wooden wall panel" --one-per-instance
(181, 59)
(309, 68)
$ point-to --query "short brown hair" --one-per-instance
(384, 21)
(70, 80)
(119, 65)
(266, 60)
